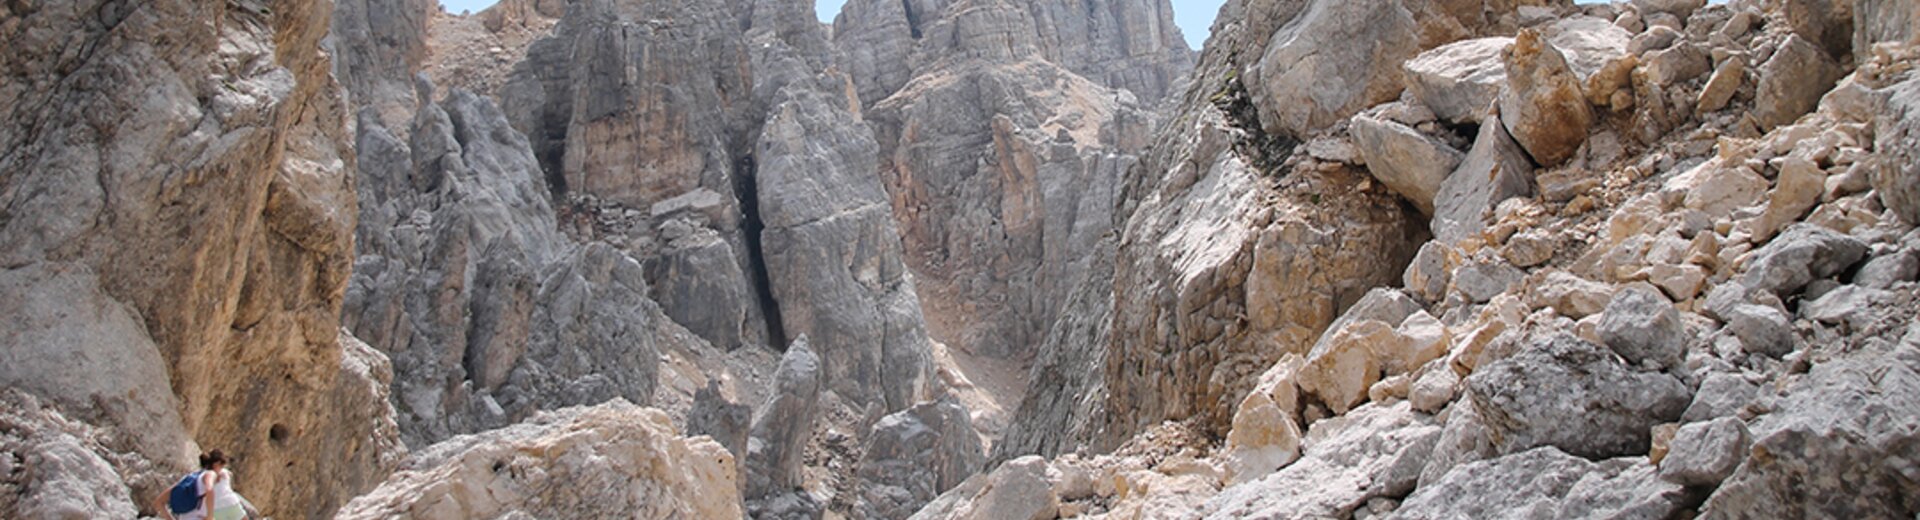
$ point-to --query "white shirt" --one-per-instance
(223, 495)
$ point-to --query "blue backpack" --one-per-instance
(185, 496)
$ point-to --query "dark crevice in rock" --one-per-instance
(913, 18)
(747, 190)
(1263, 150)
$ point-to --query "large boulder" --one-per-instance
(1626, 487)
(615, 459)
(1827, 23)
(1266, 432)
(1569, 295)
(1019, 489)
(1717, 188)
(1792, 81)
(1340, 370)
(186, 166)
(1375, 451)
(1588, 43)
(1704, 453)
(1898, 142)
(784, 423)
(1547, 483)
(1565, 392)
(1459, 81)
(1543, 106)
(1521, 485)
(1336, 58)
(915, 455)
(1679, 8)
(1761, 329)
(1804, 253)
(1409, 162)
(1494, 170)
(1721, 394)
(1642, 326)
(1465, 438)
(1838, 444)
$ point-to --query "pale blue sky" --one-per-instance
(1193, 16)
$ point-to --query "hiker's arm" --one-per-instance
(206, 482)
(160, 503)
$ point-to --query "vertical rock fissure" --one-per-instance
(913, 18)
(747, 189)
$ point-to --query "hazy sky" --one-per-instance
(1193, 16)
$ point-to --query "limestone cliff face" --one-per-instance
(464, 278)
(1121, 44)
(1229, 254)
(1000, 159)
(189, 185)
(734, 165)
(377, 46)
(1661, 249)
(1225, 261)
(643, 108)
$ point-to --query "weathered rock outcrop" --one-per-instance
(1543, 108)
(637, 106)
(178, 174)
(1672, 276)
(1545, 482)
(1413, 164)
(377, 47)
(1217, 271)
(782, 424)
(59, 467)
(746, 186)
(611, 460)
(1601, 408)
(1128, 45)
(1831, 445)
(1022, 489)
(833, 255)
(1064, 407)
(1003, 127)
(1376, 451)
(1898, 134)
(915, 455)
(1494, 170)
(1459, 81)
(1876, 21)
(986, 163)
(465, 280)
(1336, 58)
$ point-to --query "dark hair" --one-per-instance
(208, 459)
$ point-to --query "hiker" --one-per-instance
(206, 494)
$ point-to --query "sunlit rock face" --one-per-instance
(183, 189)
